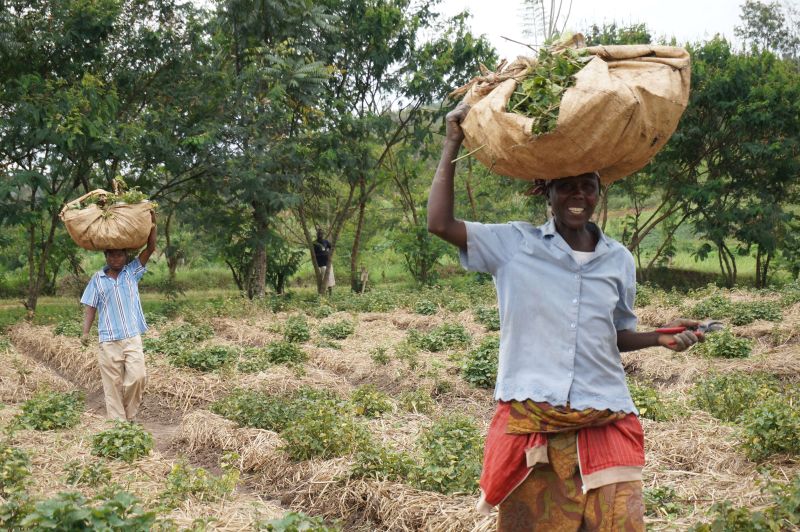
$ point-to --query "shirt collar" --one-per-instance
(104, 270)
(548, 230)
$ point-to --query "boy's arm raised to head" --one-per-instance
(144, 256)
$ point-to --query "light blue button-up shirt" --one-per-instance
(558, 319)
(119, 310)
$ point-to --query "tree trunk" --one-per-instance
(172, 258)
(762, 266)
(665, 243)
(727, 264)
(35, 280)
(259, 277)
(604, 208)
(362, 208)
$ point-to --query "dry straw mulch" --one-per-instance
(50, 451)
(179, 389)
(352, 365)
(323, 487)
(700, 458)
(21, 377)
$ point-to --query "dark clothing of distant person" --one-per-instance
(321, 249)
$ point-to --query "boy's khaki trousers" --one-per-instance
(124, 376)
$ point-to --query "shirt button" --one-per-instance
(572, 325)
(577, 276)
(570, 350)
(574, 301)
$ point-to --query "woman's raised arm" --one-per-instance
(441, 220)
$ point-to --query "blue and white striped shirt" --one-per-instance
(558, 318)
(119, 310)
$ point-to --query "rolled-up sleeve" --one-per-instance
(90, 296)
(624, 317)
(136, 269)
(489, 246)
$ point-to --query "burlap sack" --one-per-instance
(119, 226)
(623, 108)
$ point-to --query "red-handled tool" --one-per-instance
(703, 328)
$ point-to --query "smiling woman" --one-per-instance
(566, 433)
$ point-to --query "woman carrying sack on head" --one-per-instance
(565, 448)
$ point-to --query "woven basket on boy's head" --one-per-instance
(116, 226)
(624, 106)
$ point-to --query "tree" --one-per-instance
(614, 34)
(386, 89)
(769, 26)
(266, 56)
(734, 157)
(75, 76)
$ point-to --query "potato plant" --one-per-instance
(125, 441)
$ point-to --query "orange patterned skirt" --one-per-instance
(547, 502)
(551, 499)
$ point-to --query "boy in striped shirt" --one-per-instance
(113, 296)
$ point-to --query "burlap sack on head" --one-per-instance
(119, 226)
(624, 106)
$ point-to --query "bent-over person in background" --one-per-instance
(113, 296)
(565, 449)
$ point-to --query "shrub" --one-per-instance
(368, 401)
(125, 441)
(380, 301)
(425, 307)
(338, 330)
(285, 353)
(771, 427)
(253, 360)
(296, 329)
(252, 408)
(187, 333)
(745, 313)
(480, 366)
(452, 452)
(408, 352)
(68, 328)
(14, 509)
(323, 311)
(82, 474)
(205, 358)
(72, 511)
(728, 396)
(489, 317)
(783, 513)
(644, 295)
(724, 344)
(445, 336)
(380, 463)
(325, 430)
(379, 355)
(184, 481)
(714, 307)
(661, 502)
(297, 522)
(14, 469)
(418, 401)
(790, 294)
(648, 403)
(52, 410)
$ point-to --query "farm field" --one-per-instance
(368, 412)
